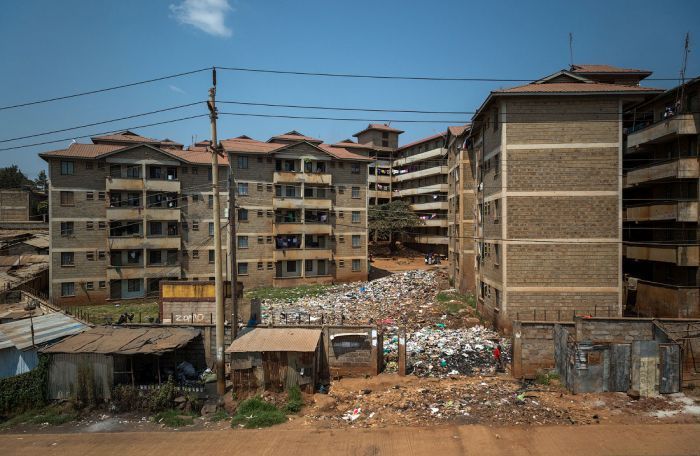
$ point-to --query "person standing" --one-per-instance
(497, 356)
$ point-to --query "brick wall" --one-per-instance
(533, 348)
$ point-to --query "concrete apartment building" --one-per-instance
(20, 205)
(125, 212)
(460, 210)
(301, 211)
(661, 187)
(419, 177)
(549, 194)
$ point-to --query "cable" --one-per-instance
(105, 132)
(331, 108)
(100, 123)
(348, 119)
(107, 89)
(407, 78)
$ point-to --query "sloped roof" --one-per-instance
(251, 146)
(77, 150)
(379, 127)
(47, 328)
(118, 340)
(295, 136)
(125, 136)
(598, 68)
(350, 144)
(277, 340)
(574, 87)
(422, 140)
(458, 130)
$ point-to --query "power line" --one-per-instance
(101, 122)
(106, 89)
(349, 119)
(337, 108)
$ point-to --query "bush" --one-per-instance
(25, 391)
(256, 413)
(294, 400)
(126, 398)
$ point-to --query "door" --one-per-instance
(670, 368)
(619, 367)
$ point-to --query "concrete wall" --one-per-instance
(533, 347)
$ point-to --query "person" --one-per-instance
(497, 358)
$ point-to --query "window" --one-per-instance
(355, 168)
(89, 285)
(260, 186)
(268, 187)
(156, 228)
(67, 168)
(356, 192)
(195, 225)
(260, 213)
(196, 197)
(155, 257)
(68, 289)
(356, 266)
(134, 172)
(242, 188)
(260, 265)
(261, 240)
(309, 265)
(89, 196)
(496, 164)
(211, 201)
(341, 214)
(495, 119)
(67, 199)
(242, 162)
(195, 170)
(355, 217)
(341, 238)
(242, 242)
(341, 189)
(101, 255)
(355, 240)
(268, 240)
(270, 266)
(67, 228)
(212, 256)
(195, 254)
(133, 285)
(242, 268)
(101, 196)
(341, 263)
(67, 259)
(90, 256)
(242, 215)
(269, 213)
(102, 284)
(291, 266)
(211, 228)
(209, 174)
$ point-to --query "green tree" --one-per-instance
(387, 220)
(41, 182)
(12, 177)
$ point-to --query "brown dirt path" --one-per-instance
(671, 439)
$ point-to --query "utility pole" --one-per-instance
(218, 279)
(233, 247)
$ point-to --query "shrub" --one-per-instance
(256, 413)
(294, 400)
(25, 391)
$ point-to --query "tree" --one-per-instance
(12, 177)
(392, 218)
(42, 182)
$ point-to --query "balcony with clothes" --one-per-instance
(162, 234)
(429, 202)
(317, 222)
(124, 205)
(380, 174)
(420, 169)
(433, 219)
(127, 177)
(163, 178)
(308, 170)
(669, 124)
(379, 190)
(288, 221)
(125, 264)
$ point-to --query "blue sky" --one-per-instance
(52, 48)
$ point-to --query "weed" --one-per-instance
(50, 415)
(173, 418)
(294, 400)
(545, 378)
(256, 413)
(219, 416)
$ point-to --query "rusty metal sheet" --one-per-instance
(670, 366)
(277, 340)
(118, 340)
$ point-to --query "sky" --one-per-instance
(51, 49)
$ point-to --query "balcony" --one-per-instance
(302, 254)
(379, 194)
(665, 300)
(433, 171)
(680, 255)
(163, 213)
(680, 168)
(293, 177)
(126, 242)
(435, 222)
(433, 188)
(163, 185)
(124, 213)
(681, 124)
(439, 152)
(427, 239)
(162, 242)
(682, 211)
(317, 228)
(435, 205)
(382, 179)
(135, 271)
(128, 184)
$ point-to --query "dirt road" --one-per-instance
(670, 439)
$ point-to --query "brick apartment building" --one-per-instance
(20, 205)
(125, 212)
(461, 211)
(661, 187)
(549, 189)
(301, 211)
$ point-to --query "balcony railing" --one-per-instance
(679, 124)
(679, 168)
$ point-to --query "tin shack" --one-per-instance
(276, 359)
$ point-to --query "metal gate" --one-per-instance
(619, 367)
(669, 366)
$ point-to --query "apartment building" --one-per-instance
(301, 211)
(549, 194)
(661, 253)
(125, 212)
(419, 177)
(20, 205)
(461, 210)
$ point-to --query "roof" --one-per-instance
(574, 88)
(251, 146)
(38, 241)
(379, 127)
(47, 328)
(597, 69)
(276, 340)
(295, 136)
(119, 340)
(458, 130)
(125, 136)
(77, 150)
(197, 156)
(350, 144)
(422, 140)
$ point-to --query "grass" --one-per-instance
(100, 313)
(294, 400)
(545, 378)
(255, 413)
(174, 418)
(454, 302)
(219, 416)
(51, 415)
(290, 293)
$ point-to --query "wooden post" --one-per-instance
(402, 352)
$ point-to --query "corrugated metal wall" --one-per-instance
(63, 374)
(14, 362)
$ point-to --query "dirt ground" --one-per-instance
(674, 439)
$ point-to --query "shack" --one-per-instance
(276, 359)
(21, 339)
(143, 357)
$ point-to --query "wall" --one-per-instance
(533, 347)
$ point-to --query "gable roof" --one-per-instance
(605, 69)
(350, 144)
(251, 146)
(277, 340)
(422, 140)
(458, 130)
(125, 136)
(294, 136)
(378, 127)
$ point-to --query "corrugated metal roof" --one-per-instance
(276, 340)
(117, 340)
(47, 328)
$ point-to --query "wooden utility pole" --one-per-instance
(232, 246)
(218, 279)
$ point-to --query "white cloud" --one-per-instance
(176, 89)
(207, 15)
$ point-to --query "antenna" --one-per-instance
(571, 50)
